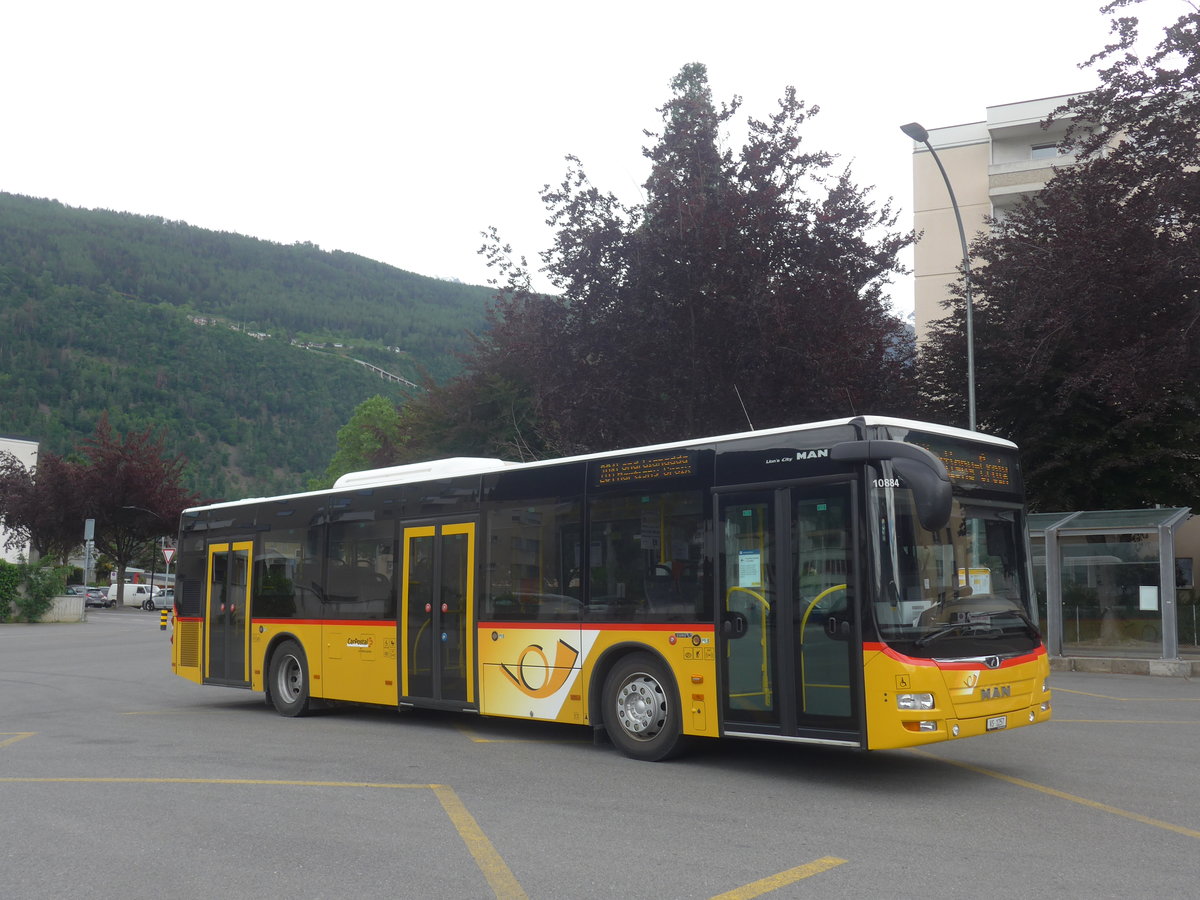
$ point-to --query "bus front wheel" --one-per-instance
(641, 711)
(288, 680)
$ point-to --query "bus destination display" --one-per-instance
(978, 466)
(646, 468)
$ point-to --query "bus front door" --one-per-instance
(227, 612)
(788, 623)
(437, 614)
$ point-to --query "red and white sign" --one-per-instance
(168, 554)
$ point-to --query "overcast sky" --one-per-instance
(400, 131)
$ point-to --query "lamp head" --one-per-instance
(916, 132)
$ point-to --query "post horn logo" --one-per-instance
(553, 678)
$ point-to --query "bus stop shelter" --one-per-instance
(1109, 584)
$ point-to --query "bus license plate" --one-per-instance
(995, 723)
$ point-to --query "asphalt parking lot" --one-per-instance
(118, 779)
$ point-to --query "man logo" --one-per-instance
(812, 454)
(995, 693)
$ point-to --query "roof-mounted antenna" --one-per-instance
(744, 413)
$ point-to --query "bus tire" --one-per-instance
(288, 680)
(641, 709)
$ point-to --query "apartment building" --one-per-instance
(27, 453)
(992, 165)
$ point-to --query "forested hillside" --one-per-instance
(101, 311)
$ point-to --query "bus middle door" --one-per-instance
(438, 614)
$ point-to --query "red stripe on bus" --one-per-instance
(917, 661)
(355, 622)
(602, 626)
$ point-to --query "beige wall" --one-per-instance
(938, 252)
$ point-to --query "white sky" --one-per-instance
(400, 131)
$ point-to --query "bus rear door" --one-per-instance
(227, 613)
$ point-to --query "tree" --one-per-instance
(41, 505)
(1088, 296)
(743, 288)
(133, 490)
(374, 437)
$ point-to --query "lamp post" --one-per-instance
(919, 134)
(158, 545)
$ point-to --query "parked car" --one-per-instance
(134, 595)
(96, 596)
(162, 599)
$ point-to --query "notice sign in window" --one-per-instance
(645, 468)
(749, 568)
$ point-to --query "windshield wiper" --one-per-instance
(977, 629)
(984, 618)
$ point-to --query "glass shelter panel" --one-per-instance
(1111, 602)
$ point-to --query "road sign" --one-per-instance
(168, 554)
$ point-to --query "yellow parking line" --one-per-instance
(475, 739)
(783, 879)
(1063, 795)
(1063, 690)
(499, 877)
(15, 736)
(490, 863)
(1123, 721)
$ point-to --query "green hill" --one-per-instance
(207, 336)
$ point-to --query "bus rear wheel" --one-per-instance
(641, 710)
(287, 680)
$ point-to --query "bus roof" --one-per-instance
(473, 465)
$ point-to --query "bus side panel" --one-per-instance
(187, 647)
(547, 672)
(359, 662)
(969, 699)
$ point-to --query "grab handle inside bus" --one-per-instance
(921, 471)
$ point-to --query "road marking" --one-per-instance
(783, 879)
(499, 877)
(471, 736)
(1125, 721)
(1063, 795)
(15, 736)
(1062, 690)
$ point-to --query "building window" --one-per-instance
(1043, 151)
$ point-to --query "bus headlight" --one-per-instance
(1045, 686)
(914, 701)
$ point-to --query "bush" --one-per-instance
(42, 582)
(10, 579)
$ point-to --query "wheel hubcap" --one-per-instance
(641, 707)
(290, 680)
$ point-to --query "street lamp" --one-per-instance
(919, 134)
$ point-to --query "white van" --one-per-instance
(135, 594)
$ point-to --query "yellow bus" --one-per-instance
(861, 583)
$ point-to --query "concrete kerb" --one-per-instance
(1168, 668)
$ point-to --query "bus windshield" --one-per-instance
(958, 592)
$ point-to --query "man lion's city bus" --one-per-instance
(861, 583)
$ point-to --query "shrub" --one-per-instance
(41, 583)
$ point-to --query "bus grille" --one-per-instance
(189, 645)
